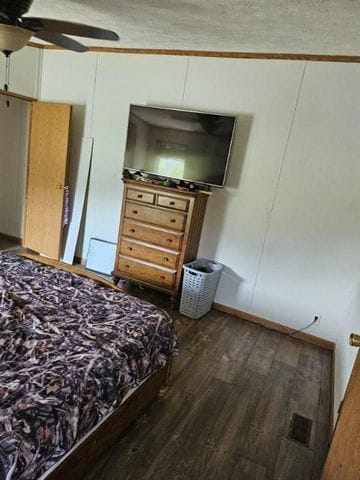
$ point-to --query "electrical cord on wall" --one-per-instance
(316, 318)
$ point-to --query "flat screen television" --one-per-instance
(179, 145)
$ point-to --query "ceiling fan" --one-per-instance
(16, 30)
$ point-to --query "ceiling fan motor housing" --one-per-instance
(14, 9)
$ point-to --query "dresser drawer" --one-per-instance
(174, 220)
(148, 273)
(139, 196)
(156, 255)
(172, 202)
(148, 233)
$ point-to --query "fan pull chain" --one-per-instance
(7, 78)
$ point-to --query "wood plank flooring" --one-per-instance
(6, 244)
(234, 388)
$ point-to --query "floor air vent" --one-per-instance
(300, 429)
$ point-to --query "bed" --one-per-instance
(78, 362)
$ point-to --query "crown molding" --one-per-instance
(216, 54)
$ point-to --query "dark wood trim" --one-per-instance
(214, 53)
(278, 327)
(79, 260)
(11, 238)
(332, 392)
(40, 46)
(17, 95)
(343, 457)
(79, 462)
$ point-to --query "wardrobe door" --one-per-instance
(47, 158)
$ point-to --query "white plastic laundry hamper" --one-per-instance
(200, 280)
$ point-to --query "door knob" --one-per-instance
(354, 340)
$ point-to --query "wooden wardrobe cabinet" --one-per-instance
(159, 231)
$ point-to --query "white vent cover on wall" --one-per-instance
(101, 256)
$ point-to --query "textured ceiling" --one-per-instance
(279, 26)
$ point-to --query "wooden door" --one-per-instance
(343, 461)
(47, 158)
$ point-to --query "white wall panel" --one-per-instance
(25, 69)
(70, 78)
(263, 95)
(13, 154)
(121, 80)
(312, 259)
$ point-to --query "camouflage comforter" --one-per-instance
(70, 349)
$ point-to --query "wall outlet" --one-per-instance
(316, 319)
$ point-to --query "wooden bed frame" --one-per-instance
(78, 269)
(85, 455)
(80, 461)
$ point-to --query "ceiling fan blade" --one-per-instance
(15, 8)
(69, 28)
(61, 41)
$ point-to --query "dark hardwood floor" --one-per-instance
(6, 244)
(226, 415)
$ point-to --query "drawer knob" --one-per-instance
(132, 230)
(162, 277)
(172, 202)
(139, 196)
(172, 220)
(135, 212)
(169, 240)
(129, 248)
(166, 259)
(127, 266)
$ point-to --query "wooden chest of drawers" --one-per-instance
(159, 231)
